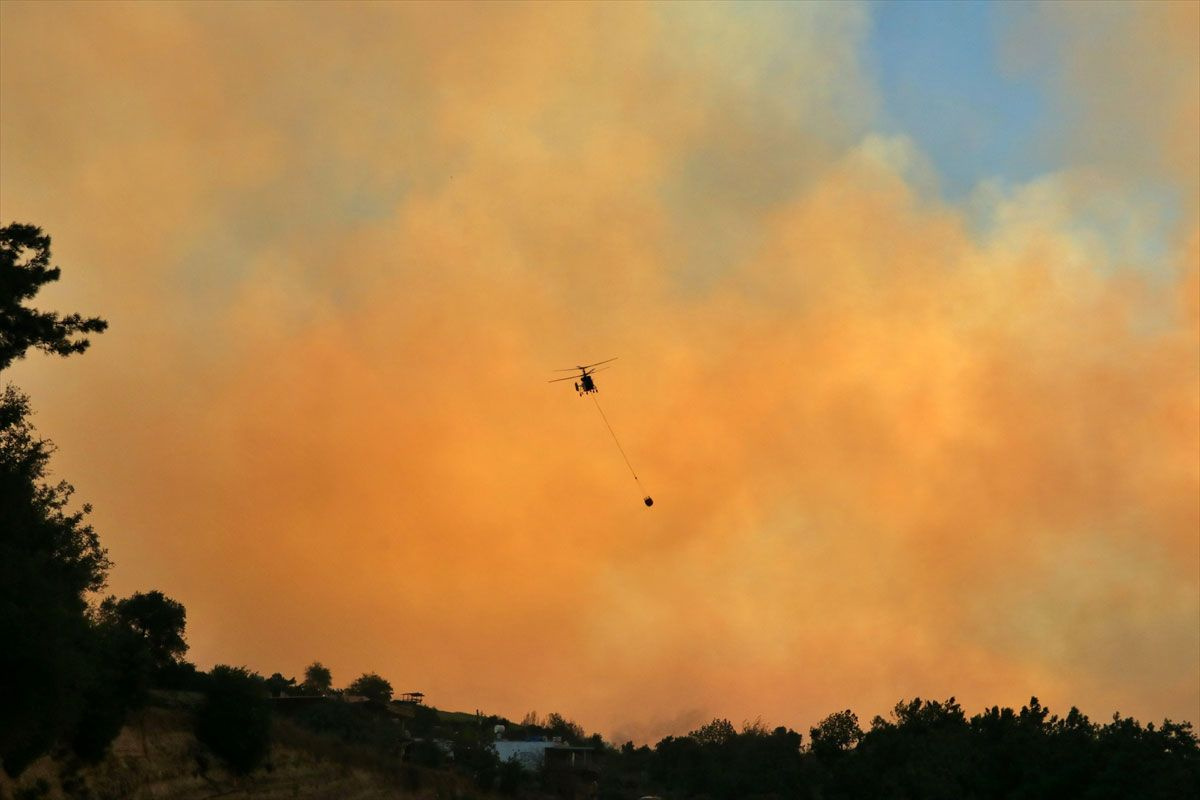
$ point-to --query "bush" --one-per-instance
(234, 720)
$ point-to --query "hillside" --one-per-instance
(156, 755)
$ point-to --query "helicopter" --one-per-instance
(584, 384)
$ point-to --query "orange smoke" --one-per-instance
(894, 452)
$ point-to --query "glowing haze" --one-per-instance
(899, 444)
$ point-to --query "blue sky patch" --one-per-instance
(941, 82)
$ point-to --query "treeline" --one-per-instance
(926, 749)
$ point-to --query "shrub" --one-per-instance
(234, 720)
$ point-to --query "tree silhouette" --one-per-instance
(50, 559)
(278, 685)
(24, 269)
(836, 734)
(317, 678)
(718, 731)
(558, 725)
(157, 619)
(371, 686)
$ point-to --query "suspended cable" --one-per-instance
(649, 501)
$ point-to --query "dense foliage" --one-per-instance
(372, 686)
(926, 750)
(317, 678)
(234, 720)
(50, 558)
(156, 619)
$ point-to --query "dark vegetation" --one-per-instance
(72, 667)
(371, 686)
(926, 749)
(234, 718)
(57, 658)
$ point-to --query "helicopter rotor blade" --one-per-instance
(578, 377)
(605, 361)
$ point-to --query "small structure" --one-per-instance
(416, 698)
(553, 755)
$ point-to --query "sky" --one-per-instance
(905, 300)
(943, 81)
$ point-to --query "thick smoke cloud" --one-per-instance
(897, 447)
